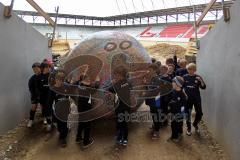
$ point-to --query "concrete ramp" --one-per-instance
(20, 46)
(219, 63)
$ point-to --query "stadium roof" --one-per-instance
(154, 17)
(104, 8)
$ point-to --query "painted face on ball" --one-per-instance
(105, 46)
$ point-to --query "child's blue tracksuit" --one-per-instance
(178, 100)
(191, 87)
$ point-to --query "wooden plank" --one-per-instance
(41, 12)
(8, 10)
(209, 6)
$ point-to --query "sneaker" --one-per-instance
(45, 121)
(189, 133)
(155, 135)
(125, 142)
(79, 139)
(120, 142)
(175, 140)
(172, 139)
(30, 123)
(91, 141)
(49, 127)
(63, 143)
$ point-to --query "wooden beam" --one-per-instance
(41, 12)
(209, 6)
(8, 10)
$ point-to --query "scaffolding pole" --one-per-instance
(195, 26)
(54, 27)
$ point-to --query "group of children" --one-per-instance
(42, 95)
(178, 103)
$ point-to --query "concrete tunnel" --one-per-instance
(217, 61)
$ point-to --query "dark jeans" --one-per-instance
(32, 114)
(62, 129)
(85, 129)
(122, 125)
(155, 112)
(47, 112)
(122, 131)
(164, 108)
(177, 128)
(188, 110)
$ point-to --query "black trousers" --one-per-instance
(62, 129)
(122, 130)
(155, 112)
(177, 125)
(198, 108)
(84, 128)
(47, 112)
(177, 128)
(164, 108)
(32, 114)
(122, 124)
(46, 109)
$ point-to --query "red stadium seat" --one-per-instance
(147, 33)
(174, 31)
(203, 29)
(190, 33)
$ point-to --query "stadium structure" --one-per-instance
(174, 25)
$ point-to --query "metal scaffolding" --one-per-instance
(133, 19)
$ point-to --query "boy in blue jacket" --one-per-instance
(192, 85)
(32, 85)
(176, 108)
(154, 103)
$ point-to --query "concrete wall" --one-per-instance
(20, 46)
(219, 63)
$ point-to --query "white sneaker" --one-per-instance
(155, 135)
(30, 123)
(175, 140)
(189, 133)
(45, 121)
(49, 127)
(125, 142)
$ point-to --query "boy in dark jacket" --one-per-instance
(152, 102)
(164, 99)
(173, 61)
(122, 88)
(62, 110)
(171, 71)
(84, 128)
(192, 86)
(43, 88)
(176, 108)
(182, 71)
(32, 85)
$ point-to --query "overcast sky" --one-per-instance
(102, 7)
